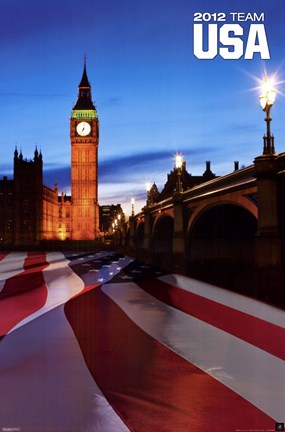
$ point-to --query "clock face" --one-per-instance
(83, 128)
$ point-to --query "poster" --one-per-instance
(166, 77)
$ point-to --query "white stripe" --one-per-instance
(46, 383)
(252, 373)
(228, 298)
(10, 266)
(61, 281)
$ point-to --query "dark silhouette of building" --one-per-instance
(187, 181)
(108, 214)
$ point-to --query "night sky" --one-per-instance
(153, 96)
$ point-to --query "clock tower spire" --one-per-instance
(84, 136)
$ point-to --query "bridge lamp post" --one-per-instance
(147, 188)
(178, 166)
(119, 222)
(133, 206)
(266, 102)
(119, 227)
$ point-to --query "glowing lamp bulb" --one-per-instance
(262, 101)
(268, 93)
(267, 84)
(147, 185)
(271, 96)
(178, 161)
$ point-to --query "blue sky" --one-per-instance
(153, 96)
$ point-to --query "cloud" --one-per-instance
(123, 197)
(131, 169)
(123, 175)
(6, 167)
(120, 169)
(241, 127)
(59, 174)
(110, 102)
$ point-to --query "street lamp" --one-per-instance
(148, 185)
(266, 102)
(133, 205)
(178, 166)
(147, 188)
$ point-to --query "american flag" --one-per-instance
(103, 343)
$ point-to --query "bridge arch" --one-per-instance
(162, 239)
(243, 200)
(220, 242)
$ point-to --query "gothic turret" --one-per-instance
(84, 100)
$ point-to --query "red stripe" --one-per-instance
(148, 385)
(3, 255)
(29, 279)
(269, 337)
(86, 289)
(23, 294)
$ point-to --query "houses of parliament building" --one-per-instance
(31, 212)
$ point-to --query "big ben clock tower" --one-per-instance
(84, 136)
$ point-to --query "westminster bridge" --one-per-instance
(229, 226)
